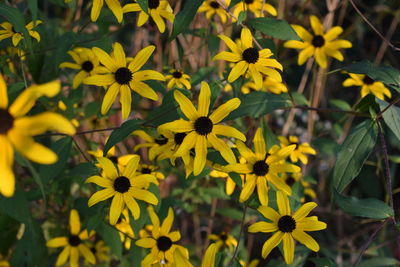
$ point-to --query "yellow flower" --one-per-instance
(253, 263)
(4, 262)
(150, 169)
(157, 9)
(209, 256)
(11, 53)
(319, 45)
(178, 78)
(86, 62)
(124, 187)
(254, 6)
(100, 251)
(17, 130)
(125, 230)
(368, 86)
(73, 243)
(9, 31)
(269, 85)
(162, 243)
(249, 60)
(229, 185)
(202, 129)
(122, 77)
(113, 5)
(262, 167)
(300, 151)
(224, 239)
(158, 147)
(288, 227)
(212, 7)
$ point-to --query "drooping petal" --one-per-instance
(306, 240)
(187, 144)
(158, 20)
(116, 207)
(288, 248)
(321, 58)
(63, 257)
(248, 188)
(201, 155)
(144, 195)
(3, 93)
(7, 179)
(109, 97)
(310, 224)
(87, 253)
(126, 101)
(143, 89)
(74, 257)
(271, 243)
(305, 54)
(262, 191)
(132, 205)
(238, 70)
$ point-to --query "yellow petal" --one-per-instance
(295, 44)
(187, 144)
(74, 222)
(143, 89)
(231, 44)
(201, 154)
(224, 110)
(320, 57)
(259, 144)
(333, 33)
(316, 25)
(310, 224)
(7, 179)
(167, 223)
(57, 242)
(305, 54)
(118, 51)
(133, 206)
(306, 240)
(116, 9)
(96, 8)
(248, 188)
(219, 145)
(204, 99)
(228, 56)
(228, 131)
(271, 243)
(238, 70)
(304, 210)
(146, 242)
(303, 33)
(178, 126)
(186, 106)
(262, 227)
(105, 59)
(209, 256)
(269, 213)
(141, 58)
(126, 100)
(100, 80)
(109, 97)
(144, 195)
(283, 203)
(131, 166)
(46, 121)
(246, 38)
(100, 196)
(3, 93)
(100, 181)
(74, 257)
(158, 20)
(26, 100)
(288, 248)
(116, 207)
(262, 191)
(87, 253)
(63, 257)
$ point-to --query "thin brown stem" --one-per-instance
(240, 236)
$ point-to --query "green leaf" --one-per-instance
(391, 117)
(276, 28)
(111, 237)
(65, 43)
(33, 7)
(143, 5)
(185, 17)
(378, 262)
(17, 19)
(62, 148)
(201, 75)
(257, 104)
(242, 16)
(121, 133)
(353, 153)
(230, 213)
(368, 207)
(166, 112)
(386, 74)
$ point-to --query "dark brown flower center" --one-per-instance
(297, 145)
(177, 74)
(74, 240)
(251, 55)
(318, 41)
(161, 141)
(286, 224)
(368, 80)
(6, 121)
(290, 181)
(214, 4)
(260, 168)
(223, 237)
(249, 1)
(87, 66)
(122, 184)
(146, 171)
(178, 138)
(123, 75)
(203, 126)
(153, 4)
(164, 243)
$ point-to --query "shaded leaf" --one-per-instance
(121, 133)
(391, 117)
(379, 261)
(185, 17)
(143, 4)
(353, 153)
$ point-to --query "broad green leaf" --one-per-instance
(16, 18)
(30, 250)
(121, 133)
(185, 17)
(65, 43)
(276, 28)
(379, 262)
(62, 148)
(242, 16)
(353, 153)
(368, 207)
(201, 75)
(230, 213)
(111, 237)
(166, 112)
(143, 4)
(391, 117)
(257, 104)
(386, 74)
(33, 7)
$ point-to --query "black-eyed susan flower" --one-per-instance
(368, 86)
(124, 187)
(163, 243)
(249, 60)
(262, 167)
(122, 77)
(150, 169)
(288, 227)
(86, 62)
(212, 7)
(157, 9)
(224, 239)
(125, 230)
(202, 128)
(11, 54)
(269, 85)
(100, 251)
(17, 130)
(178, 78)
(114, 5)
(319, 45)
(257, 7)
(301, 149)
(74, 245)
(159, 147)
(8, 31)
